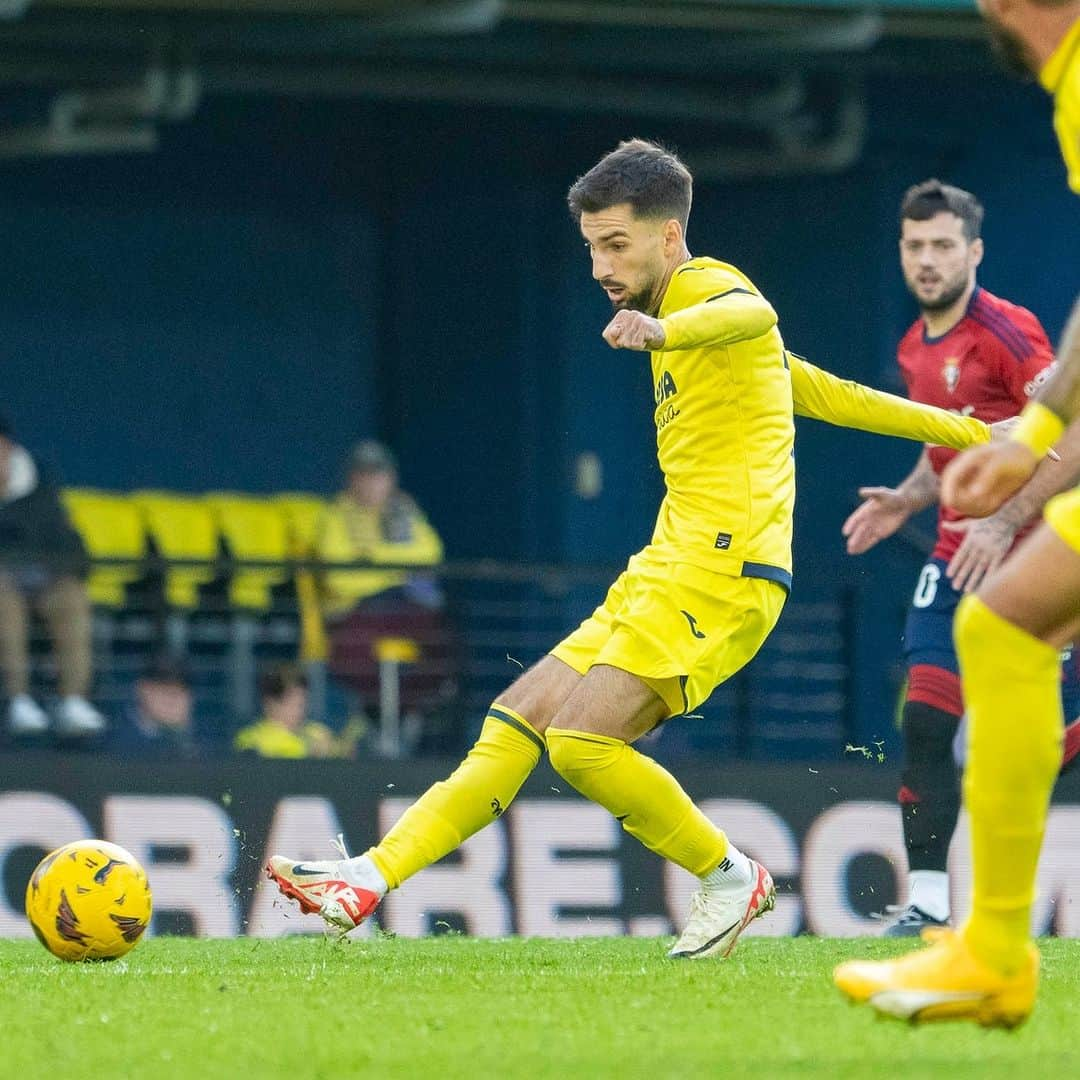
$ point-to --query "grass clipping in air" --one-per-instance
(457, 1007)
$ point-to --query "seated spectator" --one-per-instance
(373, 520)
(284, 731)
(42, 565)
(159, 722)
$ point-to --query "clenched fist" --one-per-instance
(980, 480)
(634, 330)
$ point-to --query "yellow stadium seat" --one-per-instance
(255, 530)
(182, 528)
(111, 528)
(302, 513)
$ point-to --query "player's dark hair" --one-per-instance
(923, 201)
(277, 681)
(648, 177)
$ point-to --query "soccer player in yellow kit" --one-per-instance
(1009, 636)
(691, 608)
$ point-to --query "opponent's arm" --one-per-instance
(822, 396)
(884, 510)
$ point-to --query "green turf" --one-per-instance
(450, 1007)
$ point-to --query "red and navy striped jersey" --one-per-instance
(986, 366)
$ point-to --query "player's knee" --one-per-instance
(574, 754)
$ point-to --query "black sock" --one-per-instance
(930, 800)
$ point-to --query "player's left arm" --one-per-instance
(988, 540)
(844, 403)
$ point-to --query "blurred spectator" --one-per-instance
(42, 564)
(159, 722)
(284, 731)
(373, 520)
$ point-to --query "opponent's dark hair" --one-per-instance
(922, 201)
(648, 177)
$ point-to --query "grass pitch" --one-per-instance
(456, 1007)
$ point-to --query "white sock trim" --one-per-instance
(364, 874)
(733, 870)
(928, 890)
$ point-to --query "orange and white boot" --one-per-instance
(945, 981)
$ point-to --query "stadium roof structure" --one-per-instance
(773, 88)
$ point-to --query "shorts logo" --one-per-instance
(723, 541)
(693, 623)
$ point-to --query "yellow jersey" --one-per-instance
(271, 740)
(726, 393)
(347, 532)
(1060, 76)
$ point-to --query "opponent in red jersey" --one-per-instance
(976, 354)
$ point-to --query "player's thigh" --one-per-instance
(1038, 587)
(680, 632)
(539, 693)
(928, 637)
(542, 691)
(610, 701)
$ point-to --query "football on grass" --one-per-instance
(88, 901)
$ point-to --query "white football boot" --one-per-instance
(76, 716)
(319, 889)
(720, 913)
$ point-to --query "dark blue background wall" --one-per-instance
(281, 279)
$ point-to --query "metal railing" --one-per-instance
(793, 700)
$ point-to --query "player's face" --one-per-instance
(1009, 46)
(938, 261)
(629, 256)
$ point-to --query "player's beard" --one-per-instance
(1011, 52)
(642, 300)
(949, 295)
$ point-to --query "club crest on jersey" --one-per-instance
(950, 372)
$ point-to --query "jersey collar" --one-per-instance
(928, 340)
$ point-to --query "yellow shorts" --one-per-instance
(682, 630)
(1062, 514)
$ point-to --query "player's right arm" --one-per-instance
(885, 509)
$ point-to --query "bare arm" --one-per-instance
(1051, 477)
(884, 509)
(988, 540)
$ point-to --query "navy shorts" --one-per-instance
(928, 635)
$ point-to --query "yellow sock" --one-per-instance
(643, 795)
(477, 792)
(1015, 724)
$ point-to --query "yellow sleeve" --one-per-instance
(735, 315)
(822, 396)
(423, 549)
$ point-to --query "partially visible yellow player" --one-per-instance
(1008, 640)
(693, 607)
